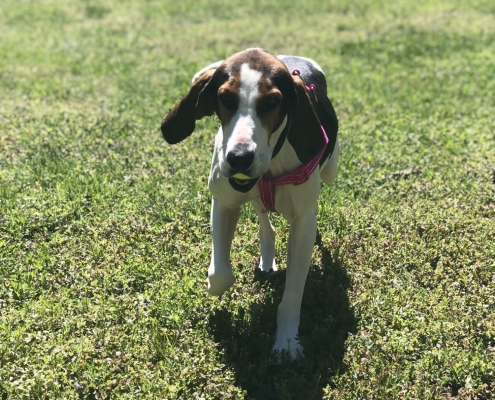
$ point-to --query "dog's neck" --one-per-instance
(276, 135)
(286, 160)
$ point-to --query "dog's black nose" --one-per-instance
(240, 159)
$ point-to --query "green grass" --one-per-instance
(104, 229)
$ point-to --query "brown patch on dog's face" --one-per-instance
(228, 100)
(276, 91)
(277, 94)
(268, 106)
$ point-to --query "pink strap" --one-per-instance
(297, 177)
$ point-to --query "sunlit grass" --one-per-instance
(104, 229)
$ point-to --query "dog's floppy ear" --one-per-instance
(180, 122)
(202, 71)
(305, 134)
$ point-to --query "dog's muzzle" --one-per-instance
(240, 159)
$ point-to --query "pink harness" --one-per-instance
(297, 177)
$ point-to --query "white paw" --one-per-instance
(267, 266)
(289, 346)
(217, 284)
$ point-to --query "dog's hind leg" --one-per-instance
(267, 239)
(223, 223)
(329, 171)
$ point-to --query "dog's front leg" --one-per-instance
(302, 235)
(223, 222)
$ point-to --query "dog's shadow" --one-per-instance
(326, 319)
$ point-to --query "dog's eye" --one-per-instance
(269, 103)
(227, 100)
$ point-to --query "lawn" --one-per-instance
(104, 228)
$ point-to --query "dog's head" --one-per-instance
(252, 93)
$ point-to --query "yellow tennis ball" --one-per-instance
(240, 176)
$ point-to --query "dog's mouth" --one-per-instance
(242, 183)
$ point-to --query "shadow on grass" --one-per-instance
(326, 320)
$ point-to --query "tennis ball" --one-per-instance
(240, 176)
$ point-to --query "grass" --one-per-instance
(104, 229)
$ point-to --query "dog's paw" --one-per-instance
(288, 347)
(267, 266)
(217, 284)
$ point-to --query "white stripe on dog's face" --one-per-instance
(245, 127)
(245, 122)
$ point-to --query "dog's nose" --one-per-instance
(240, 159)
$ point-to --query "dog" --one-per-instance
(276, 142)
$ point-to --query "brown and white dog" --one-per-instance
(270, 125)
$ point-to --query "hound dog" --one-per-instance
(277, 140)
